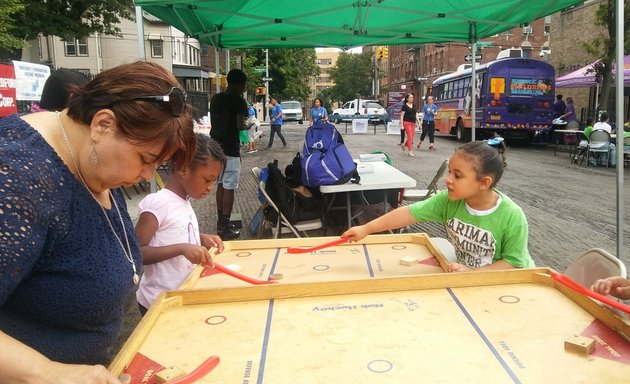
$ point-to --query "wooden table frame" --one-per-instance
(539, 276)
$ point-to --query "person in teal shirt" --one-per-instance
(276, 123)
(487, 229)
(318, 112)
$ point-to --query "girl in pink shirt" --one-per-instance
(168, 230)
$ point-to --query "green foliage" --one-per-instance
(9, 9)
(352, 76)
(70, 18)
(291, 69)
(604, 45)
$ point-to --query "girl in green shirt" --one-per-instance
(487, 229)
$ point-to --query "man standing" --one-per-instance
(276, 123)
(228, 111)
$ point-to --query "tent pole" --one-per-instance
(473, 80)
(619, 41)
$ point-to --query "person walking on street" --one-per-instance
(408, 118)
(276, 123)
(253, 124)
(428, 123)
(228, 111)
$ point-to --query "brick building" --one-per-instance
(571, 28)
(414, 68)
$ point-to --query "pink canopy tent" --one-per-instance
(585, 76)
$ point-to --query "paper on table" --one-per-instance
(367, 157)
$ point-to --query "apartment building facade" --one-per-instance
(163, 44)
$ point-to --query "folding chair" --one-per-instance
(580, 151)
(593, 265)
(598, 142)
(422, 194)
(282, 225)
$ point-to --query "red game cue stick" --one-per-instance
(338, 241)
(201, 371)
(239, 276)
(562, 279)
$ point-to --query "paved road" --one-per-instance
(569, 208)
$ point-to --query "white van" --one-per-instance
(361, 109)
(292, 111)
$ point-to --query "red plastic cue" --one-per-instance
(338, 241)
(562, 279)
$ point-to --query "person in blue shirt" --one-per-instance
(69, 257)
(428, 122)
(276, 123)
(318, 112)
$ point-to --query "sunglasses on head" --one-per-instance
(176, 100)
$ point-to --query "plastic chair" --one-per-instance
(282, 225)
(422, 194)
(598, 142)
(593, 265)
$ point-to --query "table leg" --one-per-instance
(349, 209)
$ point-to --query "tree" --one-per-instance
(352, 76)
(290, 68)
(604, 46)
(9, 9)
(66, 18)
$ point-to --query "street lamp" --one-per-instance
(266, 83)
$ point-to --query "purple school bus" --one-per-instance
(514, 96)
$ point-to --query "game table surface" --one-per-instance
(476, 327)
(376, 256)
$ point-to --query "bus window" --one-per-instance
(519, 109)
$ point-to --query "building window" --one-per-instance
(323, 61)
(157, 48)
(76, 47)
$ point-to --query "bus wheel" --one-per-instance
(463, 135)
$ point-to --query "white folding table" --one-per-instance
(375, 175)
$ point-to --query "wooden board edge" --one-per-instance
(140, 333)
(424, 239)
(386, 284)
(601, 312)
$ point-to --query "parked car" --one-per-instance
(292, 111)
(360, 109)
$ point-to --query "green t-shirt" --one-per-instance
(587, 131)
(483, 238)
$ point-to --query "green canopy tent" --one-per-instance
(232, 24)
(344, 24)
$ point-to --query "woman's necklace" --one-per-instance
(126, 251)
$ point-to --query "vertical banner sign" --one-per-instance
(29, 80)
(8, 104)
(395, 100)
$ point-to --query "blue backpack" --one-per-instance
(325, 158)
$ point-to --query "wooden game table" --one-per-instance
(476, 327)
(375, 257)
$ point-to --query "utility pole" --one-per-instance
(265, 107)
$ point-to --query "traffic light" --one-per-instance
(261, 91)
(381, 53)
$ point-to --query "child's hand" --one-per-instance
(355, 233)
(210, 241)
(457, 267)
(198, 254)
(616, 286)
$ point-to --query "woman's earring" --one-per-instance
(93, 156)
